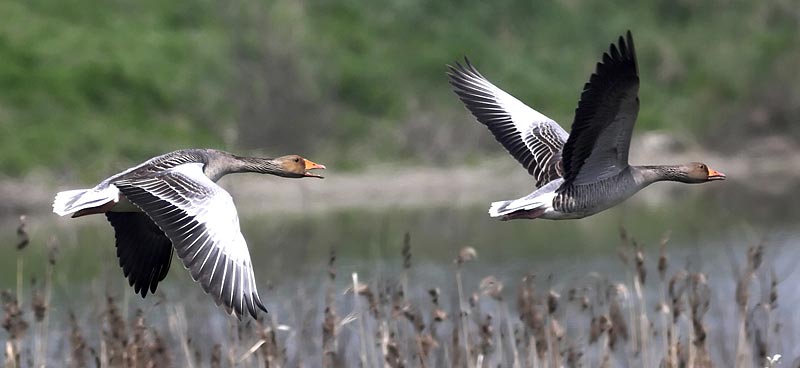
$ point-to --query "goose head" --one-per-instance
(294, 166)
(697, 172)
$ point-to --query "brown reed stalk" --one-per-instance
(554, 332)
(372, 300)
(396, 323)
(466, 254)
(77, 343)
(216, 356)
(699, 301)
(642, 323)
(771, 303)
(362, 334)
(457, 347)
(406, 253)
(421, 338)
(392, 357)
(158, 352)
(177, 324)
(272, 354)
(427, 343)
(754, 258)
(136, 349)
(375, 310)
(663, 309)
(329, 346)
(23, 239)
(438, 315)
(41, 304)
(506, 320)
(39, 310)
(676, 288)
(618, 327)
(486, 344)
(474, 314)
(534, 320)
(493, 288)
(759, 321)
(115, 333)
(15, 325)
(383, 325)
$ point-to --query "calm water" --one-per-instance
(710, 231)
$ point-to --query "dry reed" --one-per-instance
(595, 322)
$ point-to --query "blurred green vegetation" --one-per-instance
(88, 87)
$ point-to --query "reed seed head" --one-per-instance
(439, 315)
(427, 343)
(434, 293)
(13, 321)
(413, 315)
(641, 272)
(773, 289)
(77, 342)
(754, 257)
(38, 304)
(466, 254)
(332, 264)
(22, 233)
(619, 328)
(492, 287)
(216, 356)
(743, 291)
(552, 301)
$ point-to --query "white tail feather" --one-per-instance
(498, 208)
(530, 202)
(71, 201)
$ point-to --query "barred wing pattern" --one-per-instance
(200, 219)
(533, 139)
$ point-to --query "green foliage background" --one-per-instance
(88, 87)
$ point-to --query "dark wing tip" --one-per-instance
(257, 301)
(632, 51)
(620, 56)
(458, 71)
(617, 65)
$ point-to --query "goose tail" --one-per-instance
(532, 205)
(71, 201)
(499, 208)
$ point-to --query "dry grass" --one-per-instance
(396, 322)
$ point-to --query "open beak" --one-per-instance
(311, 166)
(715, 175)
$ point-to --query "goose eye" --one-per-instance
(296, 159)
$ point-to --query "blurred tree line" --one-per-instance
(88, 87)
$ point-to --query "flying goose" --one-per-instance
(577, 174)
(172, 202)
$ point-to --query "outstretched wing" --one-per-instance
(200, 219)
(598, 145)
(144, 252)
(532, 138)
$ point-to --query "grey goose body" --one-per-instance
(171, 202)
(583, 172)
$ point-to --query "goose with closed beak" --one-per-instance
(584, 172)
(173, 202)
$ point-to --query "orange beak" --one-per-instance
(310, 165)
(715, 175)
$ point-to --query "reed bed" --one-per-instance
(651, 318)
